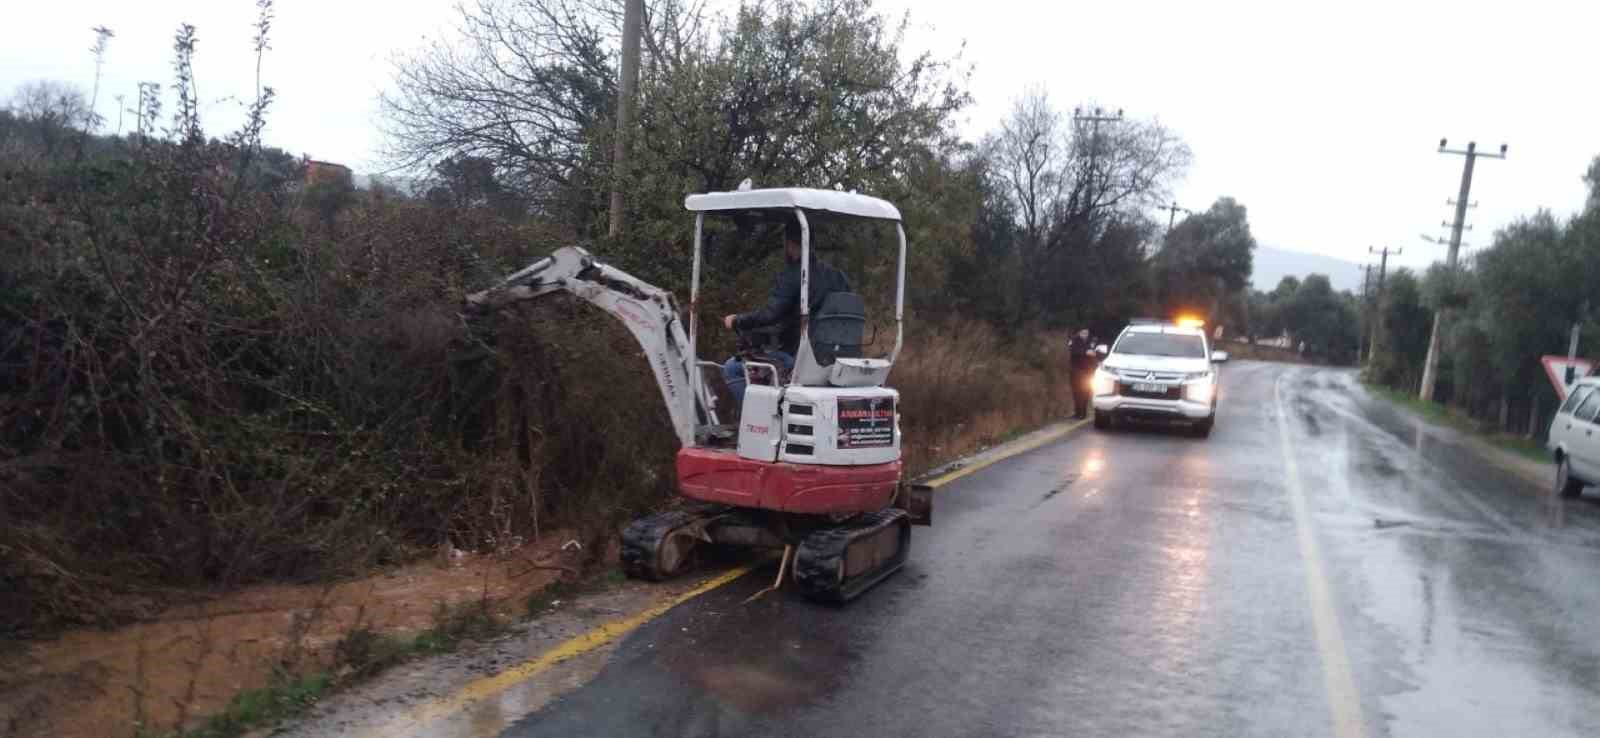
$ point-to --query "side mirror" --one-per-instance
(1102, 349)
(1218, 357)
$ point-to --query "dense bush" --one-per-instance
(204, 380)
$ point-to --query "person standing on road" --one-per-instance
(1083, 360)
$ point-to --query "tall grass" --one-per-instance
(964, 387)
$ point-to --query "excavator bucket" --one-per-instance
(917, 501)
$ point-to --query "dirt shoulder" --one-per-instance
(193, 659)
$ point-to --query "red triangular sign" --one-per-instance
(1556, 367)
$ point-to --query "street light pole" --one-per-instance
(1430, 366)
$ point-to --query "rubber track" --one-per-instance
(817, 558)
(642, 539)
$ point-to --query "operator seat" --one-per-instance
(837, 328)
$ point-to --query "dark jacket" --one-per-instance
(783, 303)
(1082, 352)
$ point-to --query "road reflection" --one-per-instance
(1185, 580)
(1093, 463)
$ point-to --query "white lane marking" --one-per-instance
(1338, 681)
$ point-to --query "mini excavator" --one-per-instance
(811, 464)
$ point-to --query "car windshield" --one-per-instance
(1186, 346)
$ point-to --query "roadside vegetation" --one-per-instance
(1510, 302)
(223, 364)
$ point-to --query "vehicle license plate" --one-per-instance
(1148, 387)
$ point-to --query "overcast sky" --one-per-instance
(1323, 119)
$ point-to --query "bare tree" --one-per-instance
(1081, 198)
(522, 86)
(1130, 165)
(1031, 153)
(48, 110)
(49, 102)
(1062, 178)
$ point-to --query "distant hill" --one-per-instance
(1272, 265)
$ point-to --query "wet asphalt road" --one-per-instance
(1148, 583)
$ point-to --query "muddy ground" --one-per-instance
(193, 658)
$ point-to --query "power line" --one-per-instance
(1430, 367)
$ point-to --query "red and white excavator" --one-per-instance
(812, 464)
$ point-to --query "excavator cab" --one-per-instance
(833, 410)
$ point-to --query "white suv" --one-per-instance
(1575, 438)
(1158, 371)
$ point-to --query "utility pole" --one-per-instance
(1377, 304)
(1366, 309)
(1430, 367)
(631, 18)
(1172, 215)
(1094, 118)
(1572, 340)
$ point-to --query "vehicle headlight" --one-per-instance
(1200, 387)
(1104, 382)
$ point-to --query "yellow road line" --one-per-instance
(491, 686)
(1021, 447)
(1338, 680)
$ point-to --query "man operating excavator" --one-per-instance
(783, 308)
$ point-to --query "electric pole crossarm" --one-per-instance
(1172, 214)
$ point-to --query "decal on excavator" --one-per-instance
(866, 422)
(631, 311)
(665, 374)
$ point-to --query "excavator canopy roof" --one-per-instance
(844, 203)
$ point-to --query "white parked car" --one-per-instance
(1160, 372)
(1575, 438)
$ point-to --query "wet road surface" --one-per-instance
(1323, 565)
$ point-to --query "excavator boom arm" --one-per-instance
(649, 313)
